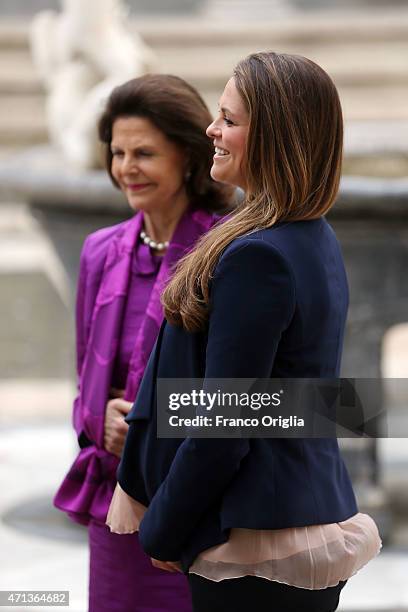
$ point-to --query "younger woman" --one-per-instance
(269, 525)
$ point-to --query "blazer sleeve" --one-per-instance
(252, 303)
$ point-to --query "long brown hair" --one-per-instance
(175, 108)
(293, 167)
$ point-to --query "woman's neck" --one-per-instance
(160, 225)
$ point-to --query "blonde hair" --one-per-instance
(293, 167)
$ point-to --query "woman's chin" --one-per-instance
(222, 177)
(218, 175)
(137, 204)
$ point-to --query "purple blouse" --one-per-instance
(144, 269)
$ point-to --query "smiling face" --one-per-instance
(149, 168)
(229, 132)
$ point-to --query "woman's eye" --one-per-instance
(145, 153)
(228, 121)
(116, 153)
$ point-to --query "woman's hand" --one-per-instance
(168, 566)
(115, 427)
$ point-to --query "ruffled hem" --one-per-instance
(201, 569)
(87, 489)
(312, 558)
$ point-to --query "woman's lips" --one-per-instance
(137, 186)
(220, 152)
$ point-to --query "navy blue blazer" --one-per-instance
(278, 307)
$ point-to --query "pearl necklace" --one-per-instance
(157, 246)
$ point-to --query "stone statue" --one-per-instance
(81, 54)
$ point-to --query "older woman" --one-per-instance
(153, 129)
(260, 524)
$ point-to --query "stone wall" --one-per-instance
(27, 8)
(24, 8)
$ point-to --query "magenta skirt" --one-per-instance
(122, 578)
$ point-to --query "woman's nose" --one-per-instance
(129, 164)
(212, 130)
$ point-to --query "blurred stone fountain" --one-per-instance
(81, 54)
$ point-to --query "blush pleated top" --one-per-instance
(314, 557)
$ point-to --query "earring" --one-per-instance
(187, 176)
